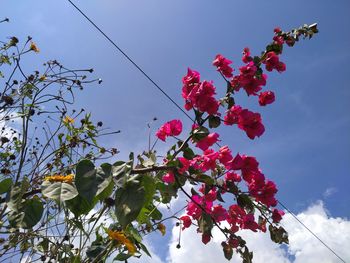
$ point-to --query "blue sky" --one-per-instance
(306, 146)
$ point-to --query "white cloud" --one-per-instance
(303, 248)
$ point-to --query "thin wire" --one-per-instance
(296, 218)
(130, 60)
(166, 95)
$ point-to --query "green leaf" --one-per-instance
(214, 121)
(247, 256)
(5, 185)
(188, 153)
(33, 210)
(129, 201)
(122, 257)
(43, 246)
(58, 191)
(14, 197)
(80, 206)
(205, 223)
(30, 214)
(91, 182)
(144, 249)
(148, 182)
(245, 202)
(278, 234)
(200, 133)
(134, 233)
(120, 169)
(228, 251)
(95, 250)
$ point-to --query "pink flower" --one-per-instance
(225, 156)
(186, 222)
(219, 213)
(266, 97)
(249, 223)
(171, 128)
(277, 30)
(237, 163)
(232, 115)
(277, 215)
(208, 141)
(278, 40)
(211, 195)
(185, 165)
(169, 178)
(234, 177)
(207, 161)
(272, 62)
(246, 55)
(251, 123)
(189, 81)
(266, 194)
(203, 98)
(206, 238)
(223, 65)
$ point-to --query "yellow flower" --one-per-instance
(42, 78)
(34, 47)
(68, 120)
(60, 178)
(122, 239)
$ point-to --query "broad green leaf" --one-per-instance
(33, 210)
(15, 195)
(148, 183)
(129, 201)
(79, 205)
(122, 257)
(5, 185)
(91, 181)
(58, 191)
(29, 215)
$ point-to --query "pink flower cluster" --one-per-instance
(171, 128)
(227, 172)
(247, 121)
(223, 65)
(199, 95)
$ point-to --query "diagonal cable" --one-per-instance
(130, 59)
(308, 229)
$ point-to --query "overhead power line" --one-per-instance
(130, 59)
(179, 107)
(308, 229)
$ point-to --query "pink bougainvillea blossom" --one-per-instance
(208, 141)
(186, 221)
(169, 178)
(223, 65)
(266, 97)
(171, 128)
(277, 215)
